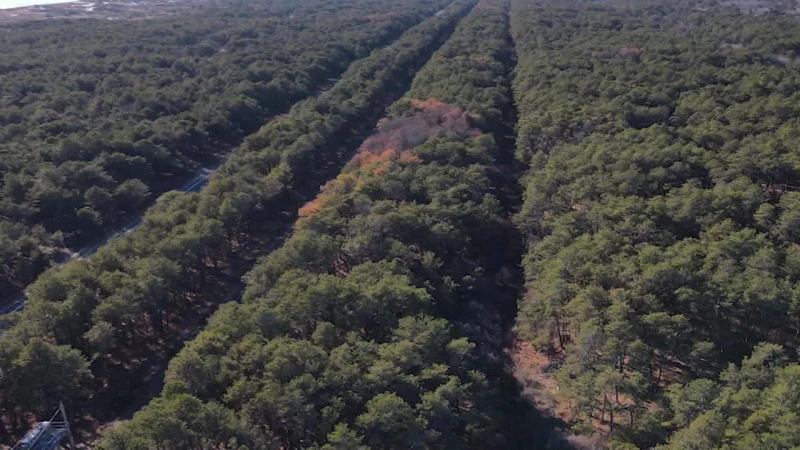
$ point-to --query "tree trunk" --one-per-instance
(560, 336)
(605, 404)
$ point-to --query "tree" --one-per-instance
(37, 375)
(391, 423)
(343, 438)
(689, 401)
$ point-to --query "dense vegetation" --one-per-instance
(95, 118)
(130, 301)
(659, 218)
(661, 212)
(352, 335)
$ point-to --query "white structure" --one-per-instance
(48, 435)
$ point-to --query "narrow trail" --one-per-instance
(527, 377)
(529, 425)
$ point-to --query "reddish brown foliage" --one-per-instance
(538, 382)
(483, 5)
(395, 139)
(604, 54)
(409, 157)
(624, 51)
(392, 146)
(342, 184)
(311, 208)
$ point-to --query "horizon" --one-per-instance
(11, 4)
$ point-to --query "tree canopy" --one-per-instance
(351, 335)
(99, 118)
(659, 209)
(134, 297)
(347, 279)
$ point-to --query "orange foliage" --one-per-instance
(340, 185)
(409, 157)
(452, 118)
(367, 158)
(392, 146)
(489, 7)
(311, 208)
(624, 51)
(380, 170)
(395, 139)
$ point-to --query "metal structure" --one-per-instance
(48, 435)
(16, 305)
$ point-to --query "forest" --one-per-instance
(135, 300)
(436, 224)
(660, 213)
(349, 335)
(91, 133)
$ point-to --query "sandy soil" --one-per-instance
(534, 372)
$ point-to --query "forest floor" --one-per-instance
(541, 419)
(534, 371)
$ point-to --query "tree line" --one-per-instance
(130, 300)
(661, 214)
(99, 118)
(354, 334)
